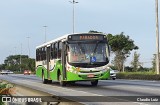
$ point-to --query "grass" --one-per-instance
(4, 90)
(138, 75)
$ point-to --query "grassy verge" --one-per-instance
(5, 89)
(1, 103)
(138, 75)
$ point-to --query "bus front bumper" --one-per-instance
(87, 76)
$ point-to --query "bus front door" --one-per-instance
(64, 51)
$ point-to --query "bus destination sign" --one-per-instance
(87, 37)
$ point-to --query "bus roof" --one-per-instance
(54, 40)
(62, 37)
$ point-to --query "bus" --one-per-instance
(74, 57)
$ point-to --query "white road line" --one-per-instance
(75, 91)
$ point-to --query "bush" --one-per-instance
(138, 75)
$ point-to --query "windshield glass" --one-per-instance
(87, 52)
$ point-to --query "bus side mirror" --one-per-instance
(107, 60)
(108, 51)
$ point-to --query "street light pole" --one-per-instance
(28, 47)
(45, 33)
(73, 2)
(15, 50)
(157, 37)
(21, 58)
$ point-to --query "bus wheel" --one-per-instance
(94, 82)
(49, 81)
(72, 82)
(62, 83)
(43, 79)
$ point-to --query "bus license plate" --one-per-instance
(90, 75)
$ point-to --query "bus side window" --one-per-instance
(39, 56)
(59, 49)
(44, 53)
(55, 50)
(37, 59)
(52, 51)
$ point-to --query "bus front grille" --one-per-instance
(89, 71)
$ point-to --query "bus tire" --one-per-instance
(45, 81)
(113, 78)
(94, 82)
(62, 83)
(49, 81)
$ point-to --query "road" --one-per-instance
(113, 90)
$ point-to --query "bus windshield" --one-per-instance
(87, 53)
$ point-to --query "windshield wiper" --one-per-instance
(96, 46)
(81, 48)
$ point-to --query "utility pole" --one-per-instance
(21, 58)
(73, 2)
(45, 33)
(157, 37)
(28, 47)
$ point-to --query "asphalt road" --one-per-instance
(137, 92)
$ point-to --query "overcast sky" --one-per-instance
(20, 19)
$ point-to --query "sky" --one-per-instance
(20, 19)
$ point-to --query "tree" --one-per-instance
(2, 66)
(12, 62)
(128, 69)
(135, 63)
(154, 62)
(92, 31)
(121, 46)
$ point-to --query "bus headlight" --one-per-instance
(104, 70)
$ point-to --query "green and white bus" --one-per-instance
(74, 57)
